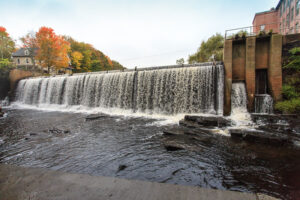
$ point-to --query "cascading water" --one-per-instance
(239, 110)
(170, 91)
(263, 104)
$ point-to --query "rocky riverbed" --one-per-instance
(198, 153)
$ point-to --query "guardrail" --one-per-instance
(255, 30)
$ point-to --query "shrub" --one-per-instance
(289, 92)
(289, 106)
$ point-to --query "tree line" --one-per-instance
(56, 51)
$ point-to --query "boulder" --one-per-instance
(258, 136)
(58, 131)
(95, 117)
(173, 146)
(214, 121)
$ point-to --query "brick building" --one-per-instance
(283, 19)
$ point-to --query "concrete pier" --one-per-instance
(40, 184)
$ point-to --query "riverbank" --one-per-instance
(39, 184)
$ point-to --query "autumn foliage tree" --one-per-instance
(76, 59)
(52, 49)
(91, 60)
(7, 45)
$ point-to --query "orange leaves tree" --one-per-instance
(52, 49)
(7, 45)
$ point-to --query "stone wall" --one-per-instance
(16, 75)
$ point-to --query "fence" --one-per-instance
(257, 30)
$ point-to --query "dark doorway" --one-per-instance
(261, 81)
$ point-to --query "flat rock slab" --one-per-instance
(18, 183)
(258, 136)
(216, 121)
(95, 117)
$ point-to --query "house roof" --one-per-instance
(22, 53)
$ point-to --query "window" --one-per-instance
(288, 20)
(262, 27)
(298, 7)
(26, 52)
(27, 61)
(292, 14)
(18, 61)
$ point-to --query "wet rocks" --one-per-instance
(122, 167)
(258, 136)
(192, 131)
(95, 117)
(57, 131)
(1, 112)
(173, 146)
(208, 121)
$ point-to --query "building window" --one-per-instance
(26, 52)
(27, 61)
(292, 14)
(262, 27)
(288, 20)
(298, 7)
(18, 61)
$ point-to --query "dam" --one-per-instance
(198, 89)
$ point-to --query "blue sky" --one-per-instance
(139, 33)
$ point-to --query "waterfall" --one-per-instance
(263, 104)
(239, 98)
(170, 91)
(239, 111)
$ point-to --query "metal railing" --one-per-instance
(256, 30)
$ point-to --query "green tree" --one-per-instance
(212, 47)
(290, 89)
(180, 61)
(5, 64)
(7, 45)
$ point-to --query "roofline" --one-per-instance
(278, 5)
(264, 12)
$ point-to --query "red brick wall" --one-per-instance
(262, 53)
(270, 19)
(238, 61)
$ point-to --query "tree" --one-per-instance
(7, 45)
(30, 43)
(291, 82)
(212, 47)
(52, 49)
(76, 58)
(92, 60)
(180, 61)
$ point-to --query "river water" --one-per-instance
(66, 141)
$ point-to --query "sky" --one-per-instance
(142, 33)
